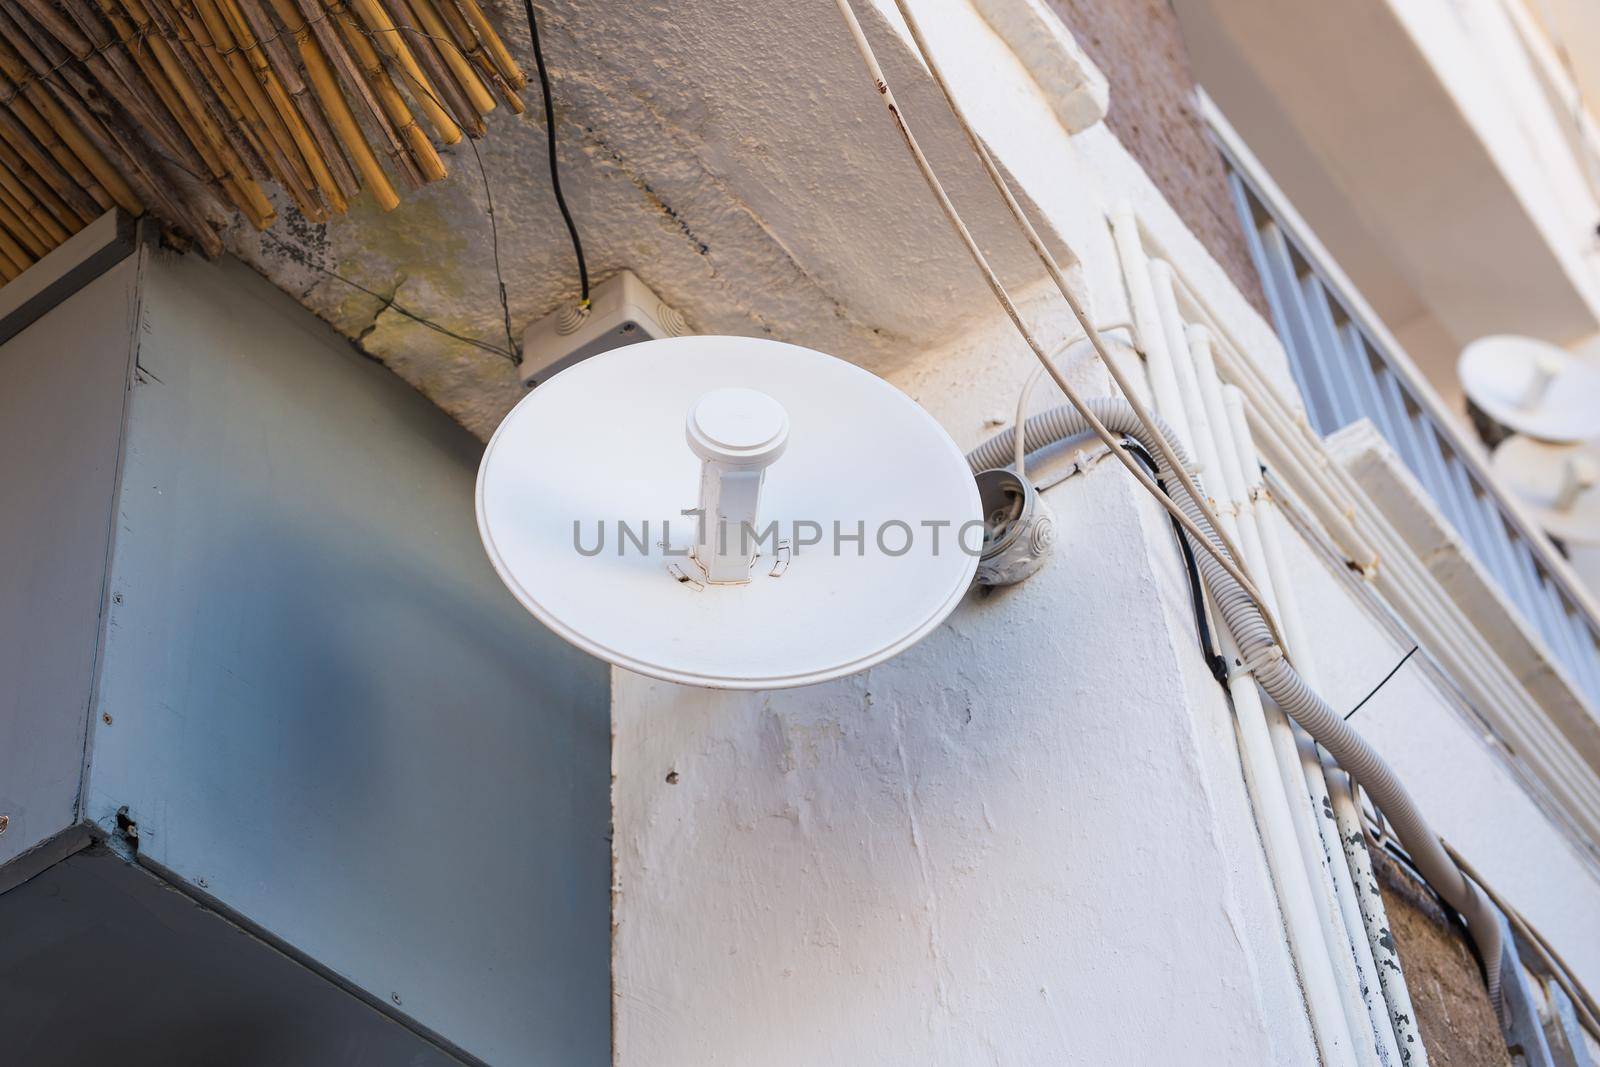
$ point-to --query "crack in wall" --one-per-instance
(930, 905)
(677, 136)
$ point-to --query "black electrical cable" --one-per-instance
(1217, 663)
(555, 168)
(1214, 659)
(1392, 672)
(494, 226)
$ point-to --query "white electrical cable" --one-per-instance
(1034, 240)
(1019, 459)
(1241, 605)
(1217, 549)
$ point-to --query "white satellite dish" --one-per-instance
(1532, 387)
(876, 513)
(1559, 484)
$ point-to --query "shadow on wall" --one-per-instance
(102, 963)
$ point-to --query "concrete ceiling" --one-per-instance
(732, 154)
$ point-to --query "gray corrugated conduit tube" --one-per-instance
(1261, 654)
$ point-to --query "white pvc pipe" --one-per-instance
(1330, 492)
(1303, 804)
(1284, 837)
(1198, 417)
(1177, 345)
(1307, 943)
(1391, 1018)
(1147, 321)
(1340, 505)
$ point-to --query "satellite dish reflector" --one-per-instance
(841, 523)
(1559, 484)
(1532, 387)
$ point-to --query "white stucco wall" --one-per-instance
(1008, 843)
(1027, 839)
(1005, 846)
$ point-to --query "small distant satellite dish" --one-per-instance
(1532, 387)
(849, 521)
(1559, 484)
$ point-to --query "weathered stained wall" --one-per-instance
(733, 155)
(1458, 1025)
(1137, 44)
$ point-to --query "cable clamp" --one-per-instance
(1265, 658)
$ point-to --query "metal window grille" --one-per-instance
(1347, 371)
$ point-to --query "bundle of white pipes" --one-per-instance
(1259, 654)
(1258, 649)
(1338, 893)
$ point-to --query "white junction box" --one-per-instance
(622, 310)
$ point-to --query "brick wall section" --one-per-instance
(1452, 1005)
(1137, 45)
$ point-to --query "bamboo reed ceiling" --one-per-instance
(184, 107)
